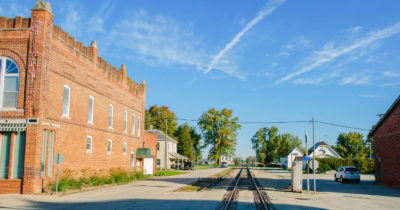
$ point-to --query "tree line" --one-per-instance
(218, 129)
(270, 145)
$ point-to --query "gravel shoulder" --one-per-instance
(330, 194)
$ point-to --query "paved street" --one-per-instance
(331, 195)
(156, 193)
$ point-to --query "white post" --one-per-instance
(308, 179)
(313, 161)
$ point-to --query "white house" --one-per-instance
(167, 154)
(227, 159)
(288, 159)
(323, 150)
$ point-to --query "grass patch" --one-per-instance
(114, 176)
(168, 173)
(224, 172)
(189, 188)
(199, 167)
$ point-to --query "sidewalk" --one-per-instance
(154, 193)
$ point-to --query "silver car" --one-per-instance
(224, 165)
(347, 173)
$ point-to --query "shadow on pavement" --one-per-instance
(144, 204)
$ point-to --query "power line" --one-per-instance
(342, 126)
(283, 122)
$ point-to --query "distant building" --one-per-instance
(167, 155)
(386, 137)
(323, 150)
(289, 158)
(227, 159)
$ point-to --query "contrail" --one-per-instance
(266, 10)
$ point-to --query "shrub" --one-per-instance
(328, 164)
(66, 184)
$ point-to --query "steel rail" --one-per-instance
(228, 202)
(260, 195)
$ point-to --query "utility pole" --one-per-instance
(166, 144)
(308, 179)
(313, 160)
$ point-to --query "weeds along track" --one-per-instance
(244, 181)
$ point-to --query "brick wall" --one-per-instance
(48, 59)
(387, 147)
(150, 141)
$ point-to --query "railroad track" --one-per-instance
(243, 181)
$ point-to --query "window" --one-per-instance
(125, 121)
(18, 159)
(9, 76)
(133, 124)
(158, 146)
(110, 116)
(5, 154)
(138, 126)
(43, 160)
(109, 146)
(50, 155)
(89, 144)
(66, 100)
(158, 162)
(124, 148)
(90, 112)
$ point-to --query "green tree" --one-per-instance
(156, 117)
(220, 130)
(251, 160)
(237, 160)
(270, 145)
(351, 145)
(188, 142)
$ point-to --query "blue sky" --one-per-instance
(337, 61)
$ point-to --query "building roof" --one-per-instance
(385, 116)
(294, 150)
(322, 143)
(161, 136)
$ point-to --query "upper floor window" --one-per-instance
(133, 124)
(66, 100)
(138, 126)
(90, 112)
(9, 76)
(110, 116)
(125, 121)
(158, 146)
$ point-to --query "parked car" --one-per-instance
(224, 165)
(347, 173)
(188, 166)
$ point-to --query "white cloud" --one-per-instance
(329, 52)
(96, 23)
(296, 44)
(72, 19)
(391, 74)
(354, 29)
(356, 79)
(14, 9)
(389, 84)
(266, 10)
(308, 81)
(370, 96)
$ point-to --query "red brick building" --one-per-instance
(58, 96)
(386, 135)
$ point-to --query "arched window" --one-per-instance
(9, 82)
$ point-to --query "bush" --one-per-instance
(66, 184)
(364, 165)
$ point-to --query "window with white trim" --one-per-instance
(124, 148)
(90, 112)
(9, 80)
(110, 116)
(109, 146)
(89, 144)
(138, 126)
(133, 124)
(66, 100)
(125, 121)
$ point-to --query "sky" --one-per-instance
(267, 60)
